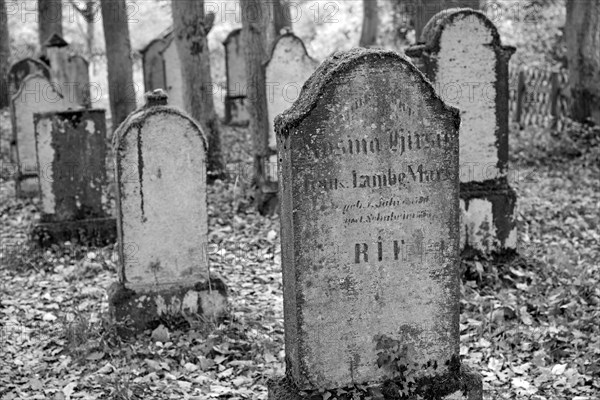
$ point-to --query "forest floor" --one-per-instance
(529, 325)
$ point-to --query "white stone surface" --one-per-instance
(162, 200)
(45, 154)
(465, 78)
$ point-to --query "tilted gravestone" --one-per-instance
(235, 70)
(154, 64)
(23, 68)
(162, 219)
(173, 77)
(36, 95)
(286, 71)
(71, 151)
(369, 228)
(462, 55)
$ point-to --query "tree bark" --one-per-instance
(121, 91)
(583, 51)
(49, 20)
(191, 28)
(281, 16)
(4, 56)
(368, 36)
(255, 36)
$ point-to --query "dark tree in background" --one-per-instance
(88, 13)
(280, 11)
(191, 27)
(583, 52)
(49, 20)
(368, 36)
(121, 91)
(256, 25)
(4, 55)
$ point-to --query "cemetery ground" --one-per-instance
(528, 324)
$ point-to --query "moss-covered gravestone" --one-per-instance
(162, 219)
(286, 71)
(235, 71)
(71, 151)
(462, 55)
(369, 227)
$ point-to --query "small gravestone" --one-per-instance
(23, 68)
(154, 64)
(286, 71)
(462, 55)
(424, 10)
(36, 95)
(162, 219)
(79, 77)
(369, 231)
(173, 77)
(235, 69)
(71, 151)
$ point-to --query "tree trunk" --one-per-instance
(583, 51)
(4, 56)
(368, 36)
(49, 20)
(425, 9)
(255, 27)
(281, 16)
(121, 91)
(191, 27)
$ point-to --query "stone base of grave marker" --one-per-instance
(235, 111)
(96, 232)
(488, 221)
(465, 385)
(138, 311)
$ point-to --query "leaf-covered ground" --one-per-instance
(529, 325)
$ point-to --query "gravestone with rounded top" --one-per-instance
(462, 55)
(23, 68)
(154, 64)
(36, 95)
(71, 151)
(369, 228)
(162, 218)
(286, 71)
(235, 70)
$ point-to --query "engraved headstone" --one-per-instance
(173, 77)
(463, 57)
(286, 71)
(369, 227)
(162, 218)
(71, 151)
(235, 70)
(36, 95)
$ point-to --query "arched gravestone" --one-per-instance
(286, 71)
(235, 69)
(162, 218)
(23, 68)
(154, 64)
(173, 77)
(369, 227)
(462, 55)
(71, 151)
(424, 10)
(36, 95)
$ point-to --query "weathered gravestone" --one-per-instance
(71, 151)
(153, 62)
(173, 77)
(162, 219)
(69, 73)
(35, 95)
(286, 71)
(462, 55)
(369, 231)
(424, 10)
(235, 70)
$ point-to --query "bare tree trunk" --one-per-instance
(118, 55)
(191, 28)
(255, 36)
(4, 55)
(281, 16)
(49, 20)
(583, 52)
(425, 9)
(368, 36)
